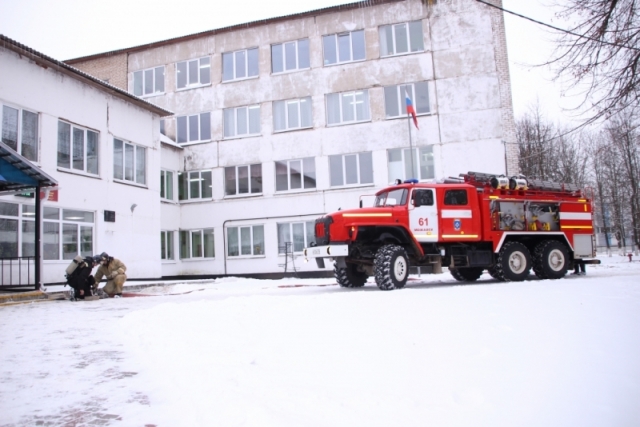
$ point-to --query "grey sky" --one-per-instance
(65, 29)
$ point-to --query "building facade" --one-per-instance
(279, 121)
(101, 144)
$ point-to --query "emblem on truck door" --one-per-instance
(457, 224)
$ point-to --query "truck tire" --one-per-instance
(493, 272)
(550, 260)
(349, 277)
(391, 267)
(514, 262)
(468, 274)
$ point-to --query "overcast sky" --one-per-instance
(65, 29)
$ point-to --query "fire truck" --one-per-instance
(472, 223)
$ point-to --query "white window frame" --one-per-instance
(396, 29)
(138, 151)
(158, 87)
(64, 220)
(167, 245)
(304, 164)
(194, 125)
(346, 162)
(342, 113)
(326, 39)
(239, 231)
(203, 67)
(298, 105)
(186, 237)
(423, 159)
(20, 131)
(167, 185)
(308, 237)
(203, 177)
(246, 68)
(421, 107)
(244, 112)
(251, 186)
(298, 48)
(73, 130)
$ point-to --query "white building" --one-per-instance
(280, 121)
(101, 144)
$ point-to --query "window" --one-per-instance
(148, 82)
(243, 180)
(19, 130)
(163, 131)
(194, 185)
(166, 245)
(395, 104)
(66, 236)
(239, 65)
(398, 39)
(194, 73)
(296, 174)
(344, 47)
(290, 56)
(194, 128)
(166, 185)
(423, 197)
(129, 162)
(400, 163)
(351, 169)
(292, 114)
(348, 107)
(242, 121)
(455, 197)
(298, 234)
(197, 244)
(77, 148)
(245, 241)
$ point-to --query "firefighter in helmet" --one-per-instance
(114, 270)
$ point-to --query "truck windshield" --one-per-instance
(392, 198)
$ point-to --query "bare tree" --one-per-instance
(600, 56)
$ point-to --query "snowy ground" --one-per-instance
(269, 353)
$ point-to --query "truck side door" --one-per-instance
(457, 220)
(423, 215)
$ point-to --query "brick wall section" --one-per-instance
(110, 68)
(502, 67)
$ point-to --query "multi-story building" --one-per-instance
(278, 121)
(101, 145)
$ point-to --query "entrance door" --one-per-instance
(423, 215)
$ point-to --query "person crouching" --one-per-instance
(114, 270)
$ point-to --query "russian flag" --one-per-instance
(412, 111)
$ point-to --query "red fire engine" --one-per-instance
(478, 221)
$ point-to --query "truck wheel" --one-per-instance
(514, 262)
(469, 274)
(550, 260)
(493, 272)
(391, 267)
(349, 277)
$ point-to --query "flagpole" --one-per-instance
(413, 168)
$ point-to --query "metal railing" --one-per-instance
(17, 272)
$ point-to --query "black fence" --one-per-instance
(17, 272)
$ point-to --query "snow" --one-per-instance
(304, 352)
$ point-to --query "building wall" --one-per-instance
(54, 96)
(111, 69)
(470, 125)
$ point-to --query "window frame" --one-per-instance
(61, 222)
(303, 175)
(427, 164)
(307, 236)
(167, 187)
(136, 149)
(154, 83)
(199, 128)
(186, 243)
(383, 40)
(418, 103)
(285, 103)
(336, 46)
(167, 245)
(359, 157)
(342, 111)
(85, 149)
(186, 185)
(285, 56)
(247, 118)
(246, 76)
(250, 178)
(20, 131)
(188, 85)
(252, 232)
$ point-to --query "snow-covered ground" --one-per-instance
(292, 352)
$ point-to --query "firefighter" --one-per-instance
(114, 270)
